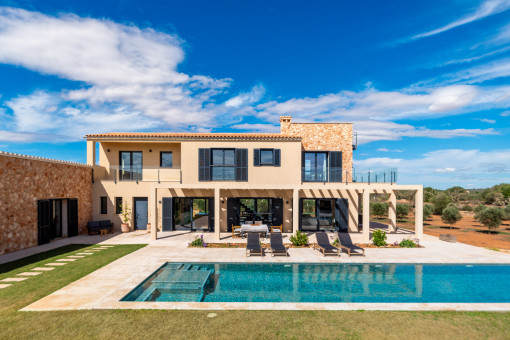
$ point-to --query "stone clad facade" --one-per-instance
(23, 181)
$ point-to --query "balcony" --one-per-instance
(378, 176)
(145, 174)
(338, 175)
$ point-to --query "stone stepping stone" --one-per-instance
(85, 253)
(77, 256)
(29, 273)
(43, 268)
(95, 250)
(14, 279)
(55, 264)
(106, 246)
(4, 285)
(66, 260)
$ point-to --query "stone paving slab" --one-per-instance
(14, 279)
(84, 253)
(29, 273)
(77, 256)
(66, 260)
(43, 268)
(5, 285)
(56, 264)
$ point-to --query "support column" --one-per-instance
(366, 216)
(295, 211)
(418, 214)
(91, 152)
(392, 212)
(217, 210)
(153, 211)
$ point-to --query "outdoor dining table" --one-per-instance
(254, 228)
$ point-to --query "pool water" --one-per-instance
(320, 282)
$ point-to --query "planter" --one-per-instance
(125, 228)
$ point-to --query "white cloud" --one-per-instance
(486, 8)
(505, 114)
(444, 170)
(485, 120)
(255, 95)
(383, 150)
(263, 128)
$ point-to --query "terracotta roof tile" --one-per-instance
(191, 135)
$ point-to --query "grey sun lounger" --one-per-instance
(324, 246)
(253, 244)
(350, 249)
(277, 247)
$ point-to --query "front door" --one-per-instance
(141, 205)
(72, 217)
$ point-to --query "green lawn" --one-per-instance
(134, 324)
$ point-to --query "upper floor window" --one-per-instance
(266, 157)
(322, 166)
(165, 159)
(223, 165)
(130, 165)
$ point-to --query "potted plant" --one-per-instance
(126, 216)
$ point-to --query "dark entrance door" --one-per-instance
(72, 217)
(141, 205)
(43, 221)
(56, 219)
(167, 218)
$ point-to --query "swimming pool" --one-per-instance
(324, 282)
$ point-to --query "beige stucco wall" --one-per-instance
(23, 181)
(149, 158)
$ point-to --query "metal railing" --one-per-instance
(376, 176)
(144, 174)
(339, 175)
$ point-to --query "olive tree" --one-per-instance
(402, 211)
(491, 218)
(451, 215)
(427, 211)
(440, 202)
(378, 209)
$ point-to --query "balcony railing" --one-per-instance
(338, 175)
(378, 176)
(145, 174)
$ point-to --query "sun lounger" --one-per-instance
(351, 249)
(253, 244)
(324, 246)
(277, 247)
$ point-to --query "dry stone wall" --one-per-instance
(23, 181)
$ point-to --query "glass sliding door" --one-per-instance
(182, 214)
(315, 167)
(131, 165)
(200, 214)
(255, 209)
(326, 214)
(309, 215)
(318, 215)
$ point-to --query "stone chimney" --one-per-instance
(285, 122)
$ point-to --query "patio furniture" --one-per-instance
(277, 247)
(236, 231)
(253, 244)
(351, 248)
(324, 246)
(276, 229)
(249, 228)
(97, 226)
(257, 222)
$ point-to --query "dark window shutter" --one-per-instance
(211, 214)
(204, 164)
(335, 166)
(167, 218)
(256, 157)
(72, 217)
(277, 211)
(232, 216)
(277, 153)
(241, 165)
(300, 225)
(43, 219)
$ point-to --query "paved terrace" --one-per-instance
(104, 288)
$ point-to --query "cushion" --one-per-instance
(93, 224)
(105, 223)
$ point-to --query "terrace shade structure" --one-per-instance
(301, 178)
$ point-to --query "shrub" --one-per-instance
(466, 207)
(198, 242)
(441, 201)
(300, 239)
(427, 211)
(407, 244)
(379, 238)
(478, 210)
(402, 211)
(491, 218)
(378, 209)
(451, 215)
(507, 212)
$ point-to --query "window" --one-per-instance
(118, 205)
(103, 205)
(266, 157)
(223, 165)
(130, 168)
(165, 159)
(315, 167)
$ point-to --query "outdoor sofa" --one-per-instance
(97, 226)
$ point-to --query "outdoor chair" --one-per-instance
(276, 229)
(257, 222)
(324, 246)
(351, 248)
(236, 231)
(277, 247)
(253, 244)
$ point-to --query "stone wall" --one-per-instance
(23, 181)
(322, 137)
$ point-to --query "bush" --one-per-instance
(478, 210)
(507, 212)
(402, 211)
(378, 209)
(407, 244)
(300, 239)
(198, 242)
(441, 201)
(427, 211)
(451, 215)
(466, 207)
(379, 238)
(491, 218)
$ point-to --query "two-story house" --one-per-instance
(301, 178)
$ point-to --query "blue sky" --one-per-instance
(426, 83)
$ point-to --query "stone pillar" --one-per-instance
(217, 210)
(153, 201)
(91, 152)
(418, 214)
(295, 210)
(366, 216)
(392, 212)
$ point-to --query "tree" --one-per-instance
(491, 218)
(402, 211)
(441, 201)
(451, 215)
(457, 194)
(507, 212)
(505, 189)
(378, 209)
(427, 211)
(428, 194)
(478, 210)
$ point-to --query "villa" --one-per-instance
(301, 178)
